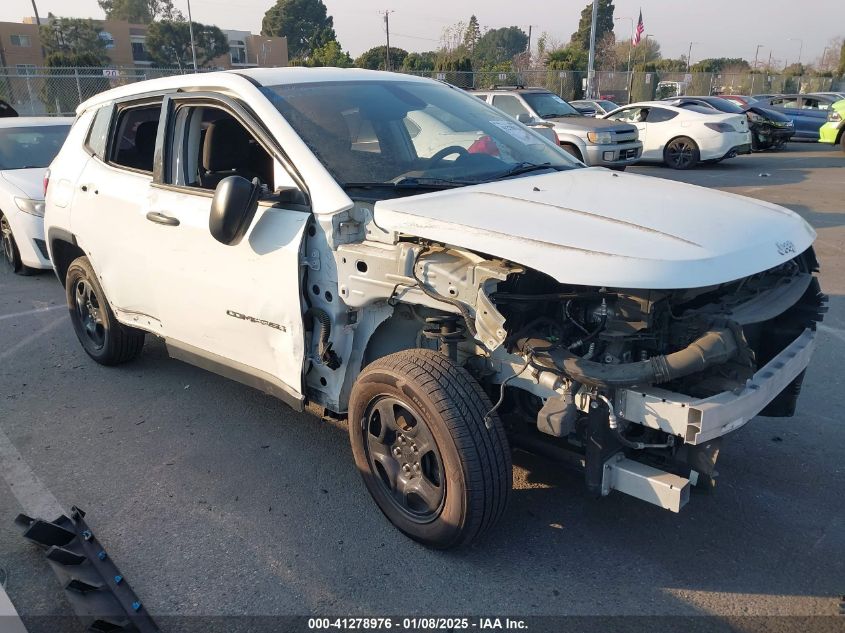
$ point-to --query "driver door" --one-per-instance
(232, 308)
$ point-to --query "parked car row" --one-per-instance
(817, 116)
(27, 146)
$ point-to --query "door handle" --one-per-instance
(161, 218)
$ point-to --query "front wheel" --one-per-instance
(104, 339)
(418, 435)
(11, 254)
(681, 153)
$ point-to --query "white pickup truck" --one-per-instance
(282, 227)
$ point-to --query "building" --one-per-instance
(21, 52)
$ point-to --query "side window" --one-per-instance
(789, 103)
(778, 103)
(98, 135)
(509, 105)
(659, 115)
(209, 144)
(134, 137)
(628, 114)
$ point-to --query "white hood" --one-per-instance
(29, 181)
(596, 227)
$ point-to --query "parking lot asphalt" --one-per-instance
(215, 499)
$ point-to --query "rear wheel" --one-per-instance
(104, 339)
(842, 141)
(681, 153)
(418, 435)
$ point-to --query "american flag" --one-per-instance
(640, 29)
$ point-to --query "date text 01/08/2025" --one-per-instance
(417, 624)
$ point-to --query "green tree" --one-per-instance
(65, 88)
(169, 43)
(648, 50)
(716, 64)
(568, 58)
(140, 11)
(420, 62)
(604, 24)
(499, 45)
(75, 36)
(305, 23)
(841, 70)
(374, 58)
(331, 54)
(472, 34)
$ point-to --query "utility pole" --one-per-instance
(591, 62)
(35, 9)
(386, 14)
(689, 55)
(800, 46)
(191, 31)
(630, 50)
(756, 54)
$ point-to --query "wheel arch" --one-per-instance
(63, 249)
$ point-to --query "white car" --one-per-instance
(683, 137)
(241, 218)
(27, 145)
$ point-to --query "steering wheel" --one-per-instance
(446, 151)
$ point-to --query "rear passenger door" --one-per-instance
(110, 205)
(814, 115)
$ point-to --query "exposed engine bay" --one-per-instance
(631, 386)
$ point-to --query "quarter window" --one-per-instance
(134, 139)
(99, 133)
(659, 115)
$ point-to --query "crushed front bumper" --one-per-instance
(698, 420)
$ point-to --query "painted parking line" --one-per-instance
(11, 351)
(25, 313)
(34, 497)
(10, 621)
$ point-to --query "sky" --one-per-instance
(718, 28)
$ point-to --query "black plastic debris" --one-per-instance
(94, 586)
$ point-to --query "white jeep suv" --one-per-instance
(282, 227)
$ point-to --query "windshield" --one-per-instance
(26, 147)
(607, 106)
(410, 134)
(548, 105)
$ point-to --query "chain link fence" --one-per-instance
(41, 91)
(624, 87)
(35, 91)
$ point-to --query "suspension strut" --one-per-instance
(447, 331)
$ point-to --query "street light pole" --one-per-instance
(800, 46)
(191, 31)
(689, 55)
(591, 61)
(756, 54)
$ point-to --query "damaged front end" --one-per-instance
(637, 387)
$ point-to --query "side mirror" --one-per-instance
(525, 118)
(232, 209)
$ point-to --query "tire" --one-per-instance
(104, 339)
(842, 141)
(681, 153)
(10, 253)
(418, 435)
(572, 151)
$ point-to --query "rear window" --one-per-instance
(32, 146)
(133, 143)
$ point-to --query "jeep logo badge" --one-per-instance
(785, 248)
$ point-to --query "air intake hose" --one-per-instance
(714, 347)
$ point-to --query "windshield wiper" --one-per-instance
(409, 183)
(525, 168)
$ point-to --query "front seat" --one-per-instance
(225, 152)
